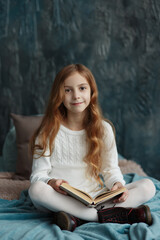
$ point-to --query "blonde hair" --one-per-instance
(56, 112)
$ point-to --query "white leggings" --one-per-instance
(45, 198)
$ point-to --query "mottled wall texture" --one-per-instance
(118, 40)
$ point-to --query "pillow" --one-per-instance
(9, 152)
(25, 127)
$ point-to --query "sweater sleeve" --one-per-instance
(110, 169)
(41, 168)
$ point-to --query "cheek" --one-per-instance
(65, 101)
(88, 98)
(66, 98)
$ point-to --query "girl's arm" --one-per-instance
(110, 169)
(41, 168)
(40, 172)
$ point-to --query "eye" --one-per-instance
(67, 90)
(82, 88)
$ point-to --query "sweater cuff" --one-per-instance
(112, 182)
(47, 180)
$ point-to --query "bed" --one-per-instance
(19, 220)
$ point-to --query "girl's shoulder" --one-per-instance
(108, 127)
(108, 124)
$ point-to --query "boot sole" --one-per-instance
(63, 221)
(148, 214)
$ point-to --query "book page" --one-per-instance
(108, 195)
(74, 191)
(100, 192)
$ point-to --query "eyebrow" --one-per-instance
(79, 85)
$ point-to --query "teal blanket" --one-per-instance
(19, 220)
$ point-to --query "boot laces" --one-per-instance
(130, 211)
(121, 216)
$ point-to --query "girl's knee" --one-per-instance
(36, 189)
(148, 188)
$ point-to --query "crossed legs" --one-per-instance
(45, 198)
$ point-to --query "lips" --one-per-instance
(76, 104)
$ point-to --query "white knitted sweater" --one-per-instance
(66, 161)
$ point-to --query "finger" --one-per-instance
(65, 181)
(59, 182)
(57, 189)
(120, 199)
(123, 197)
(114, 187)
(62, 192)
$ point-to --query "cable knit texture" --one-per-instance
(66, 161)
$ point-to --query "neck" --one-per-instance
(74, 121)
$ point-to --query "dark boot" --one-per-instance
(125, 215)
(67, 222)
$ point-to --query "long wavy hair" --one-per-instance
(56, 113)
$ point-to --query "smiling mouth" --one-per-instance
(75, 104)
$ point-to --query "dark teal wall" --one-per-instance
(118, 40)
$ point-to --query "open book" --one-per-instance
(85, 198)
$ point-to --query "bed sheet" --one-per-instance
(19, 220)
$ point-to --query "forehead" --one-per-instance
(75, 79)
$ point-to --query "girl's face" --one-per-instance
(77, 93)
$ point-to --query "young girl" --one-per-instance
(75, 144)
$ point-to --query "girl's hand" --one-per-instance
(123, 196)
(55, 183)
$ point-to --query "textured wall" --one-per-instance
(118, 40)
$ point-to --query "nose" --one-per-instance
(76, 94)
